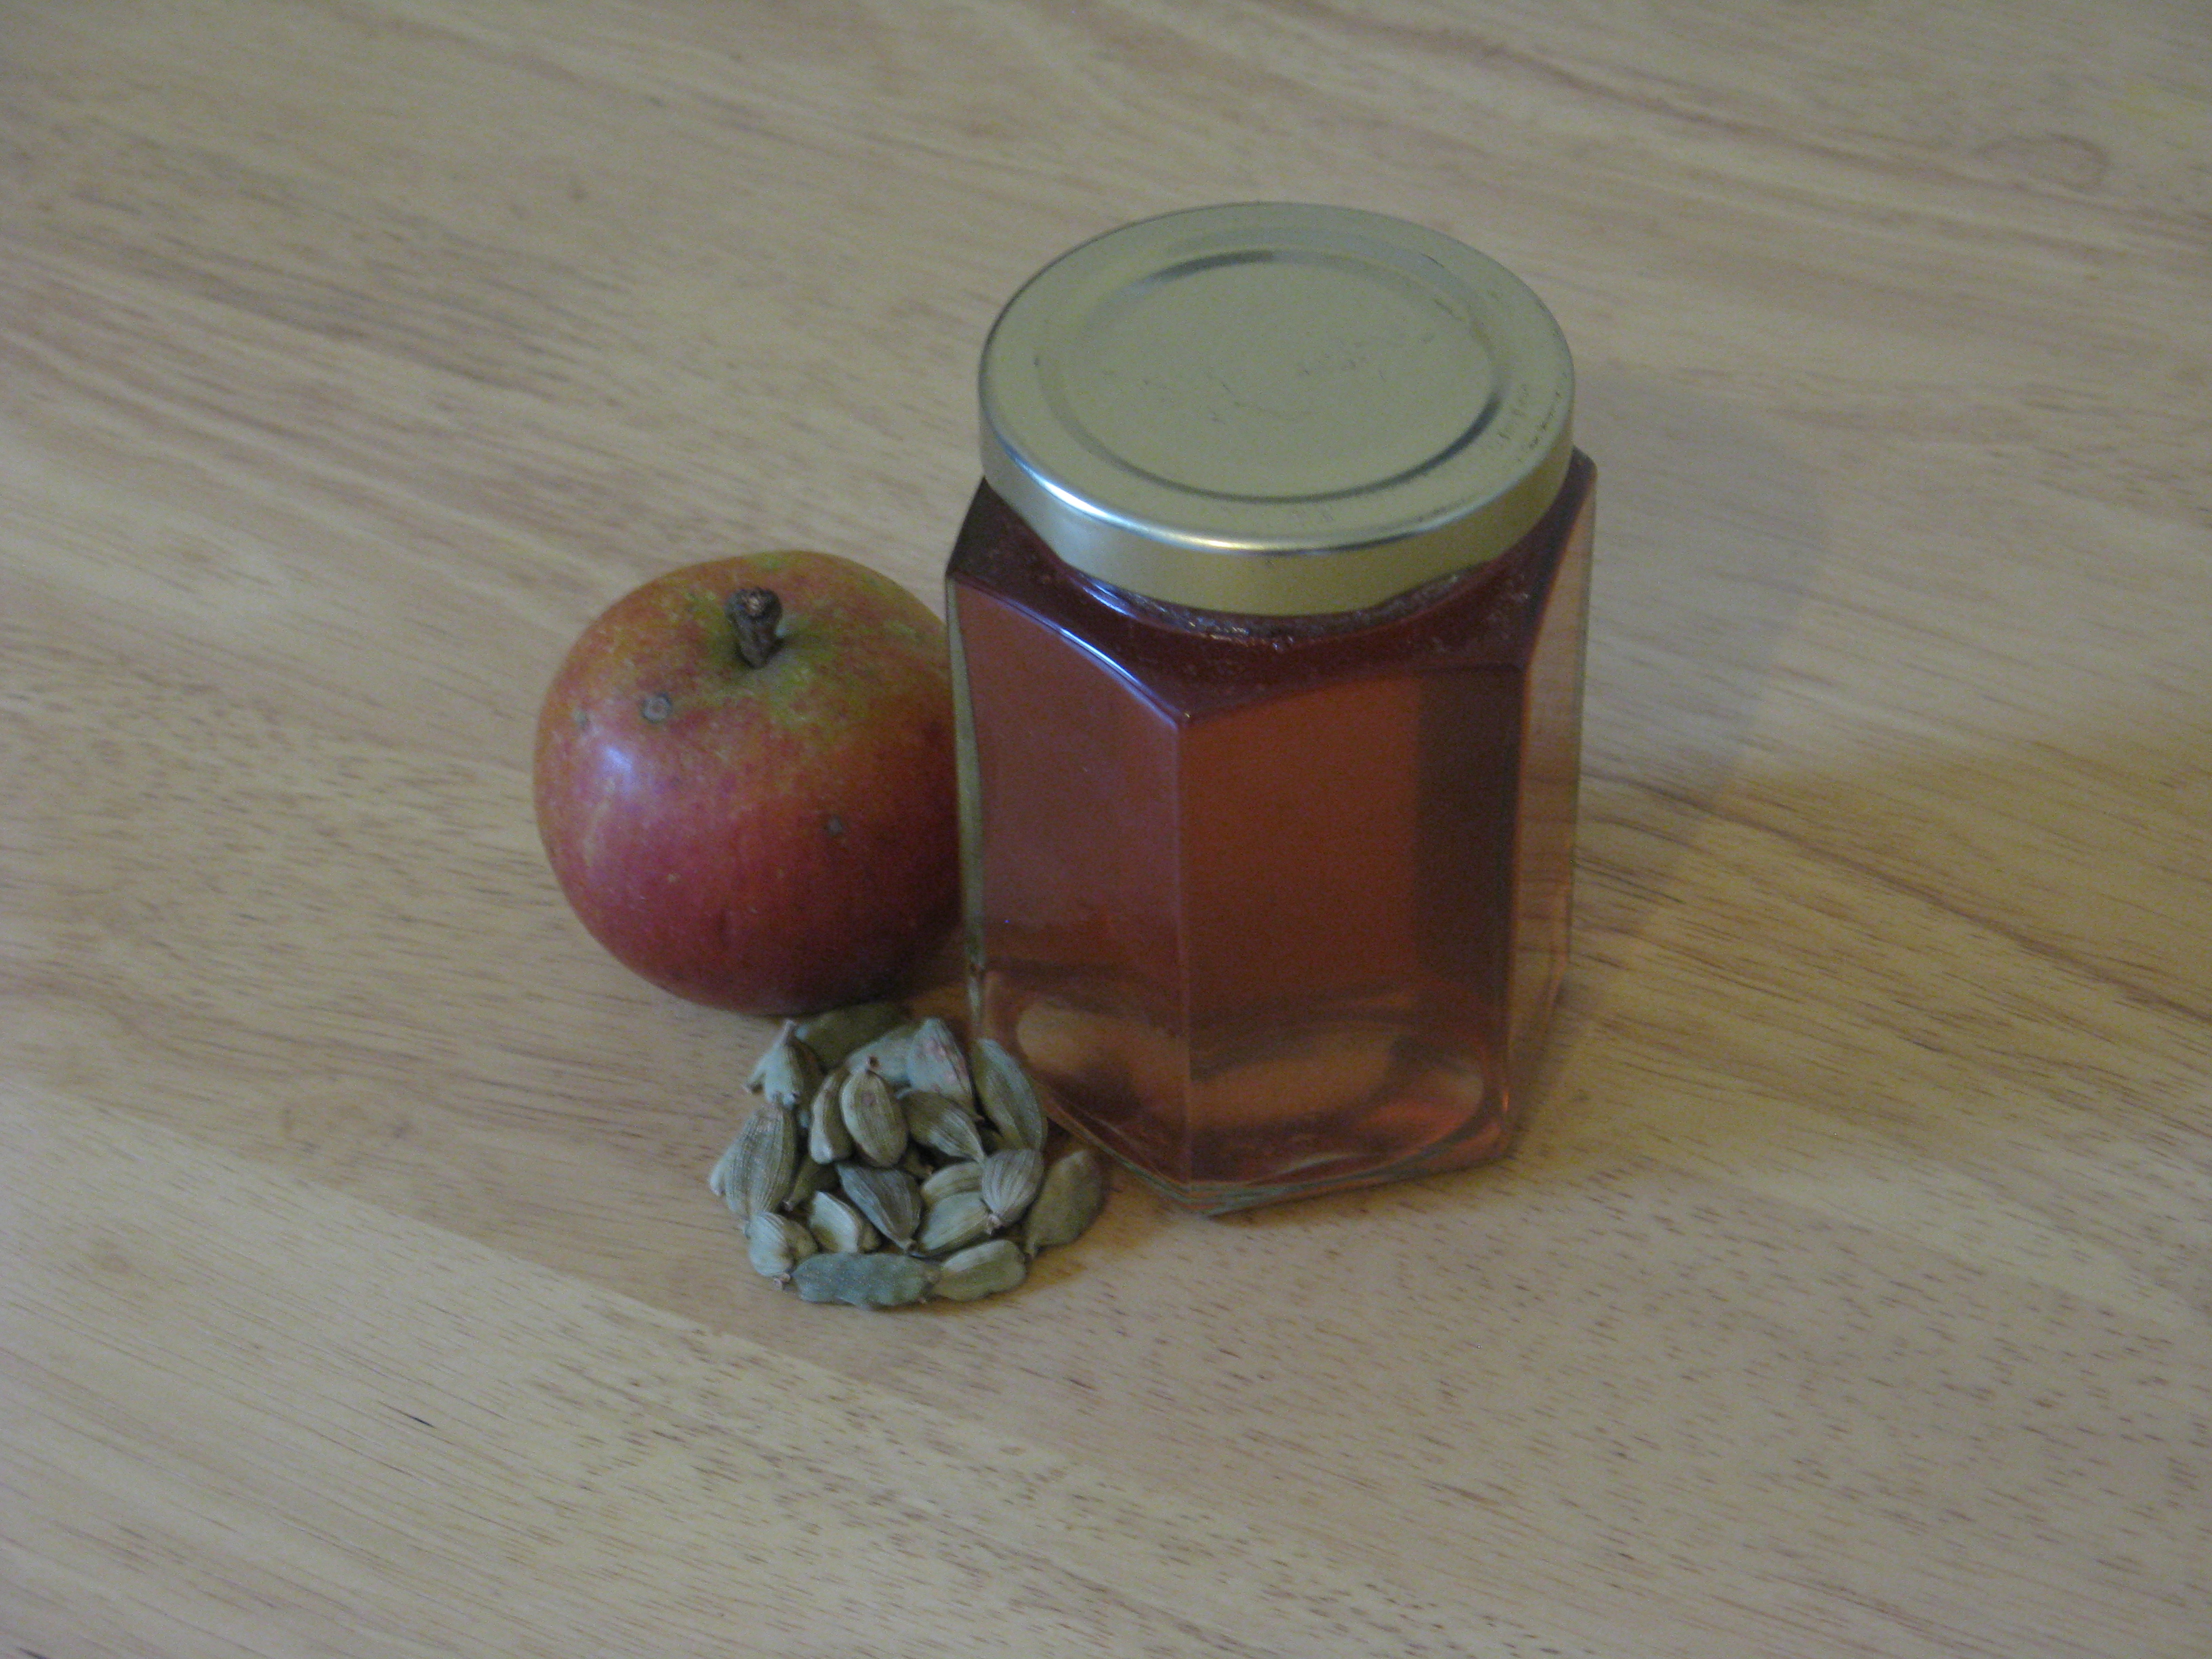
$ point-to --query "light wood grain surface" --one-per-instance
(360, 1293)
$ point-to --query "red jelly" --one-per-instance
(1267, 626)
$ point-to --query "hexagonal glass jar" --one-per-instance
(1268, 628)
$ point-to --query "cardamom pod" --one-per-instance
(826, 1139)
(718, 1178)
(887, 1052)
(873, 1117)
(837, 1225)
(789, 1071)
(764, 1159)
(1011, 1179)
(864, 1281)
(933, 1062)
(887, 1198)
(835, 1033)
(942, 1123)
(810, 1178)
(981, 1270)
(867, 1177)
(1009, 1098)
(1068, 1200)
(755, 1078)
(951, 1223)
(966, 1177)
(775, 1244)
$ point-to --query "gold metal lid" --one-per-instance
(1276, 408)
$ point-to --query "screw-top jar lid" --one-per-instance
(1276, 408)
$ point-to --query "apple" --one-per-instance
(744, 782)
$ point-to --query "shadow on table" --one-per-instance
(1710, 536)
(1936, 914)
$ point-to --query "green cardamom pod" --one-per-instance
(719, 1177)
(775, 1244)
(981, 1270)
(835, 1033)
(765, 1158)
(951, 1223)
(873, 1118)
(864, 1281)
(889, 1198)
(962, 1177)
(942, 1123)
(1011, 1179)
(827, 1142)
(1068, 1200)
(837, 1225)
(759, 1072)
(887, 1054)
(810, 1178)
(933, 1064)
(1009, 1098)
(790, 1073)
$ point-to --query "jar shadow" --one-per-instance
(1709, 537)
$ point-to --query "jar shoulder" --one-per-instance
(1193, 662)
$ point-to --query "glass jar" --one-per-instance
(1267, 625)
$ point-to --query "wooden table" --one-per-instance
(360, 1293)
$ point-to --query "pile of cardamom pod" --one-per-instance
(865, 1175)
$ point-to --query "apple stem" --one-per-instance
(754, 612)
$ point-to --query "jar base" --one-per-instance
(1294, 1102)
